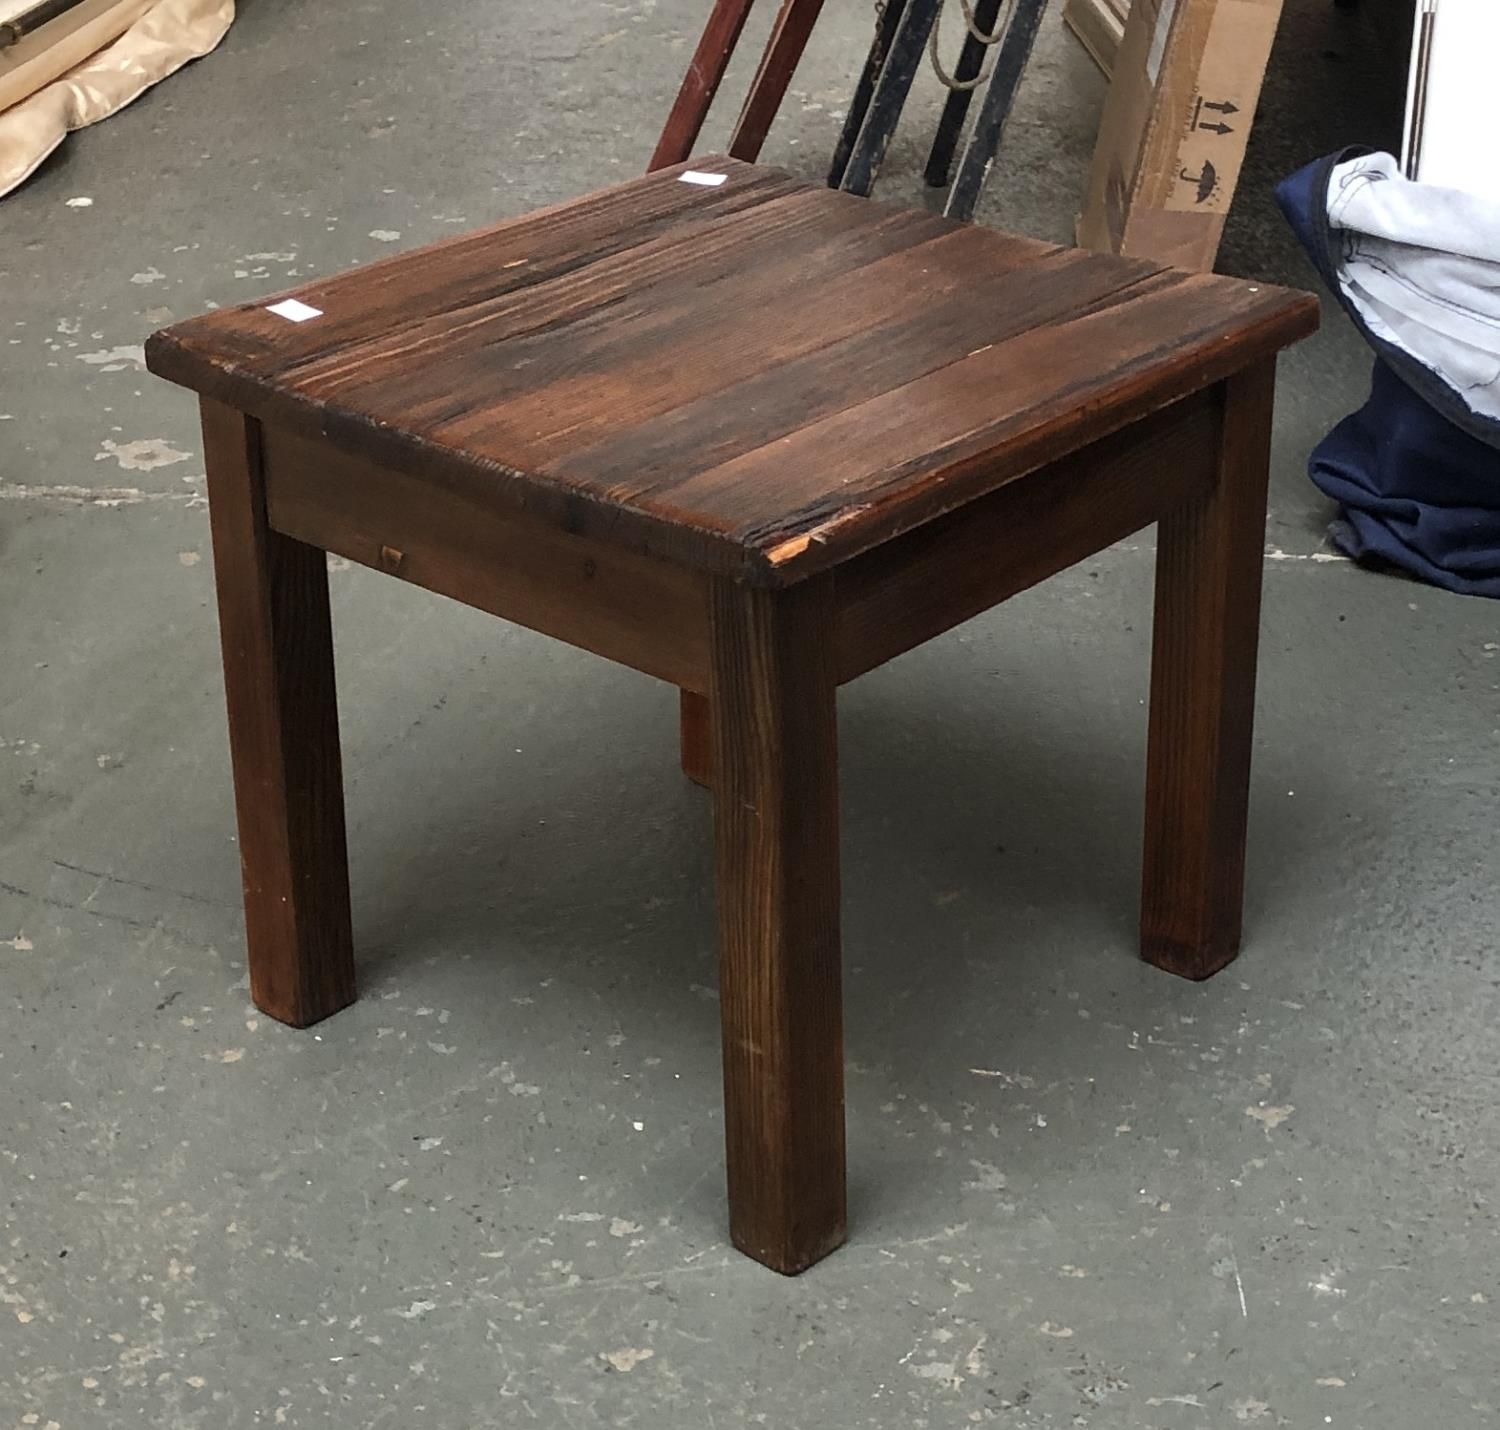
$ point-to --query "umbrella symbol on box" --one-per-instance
(1207, 181)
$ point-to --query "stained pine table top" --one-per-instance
(759, 377)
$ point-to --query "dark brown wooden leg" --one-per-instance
(701, 82)
(1210, 552)
(775, 760)
(283, 737)
(697, 738)
(789, 36)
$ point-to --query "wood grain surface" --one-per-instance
(283, 737)
(789, 36)
(776, 822)
(705, 72)
(1209, 563)
(644, 613)
(760, 380)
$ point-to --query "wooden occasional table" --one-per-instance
(755, 439)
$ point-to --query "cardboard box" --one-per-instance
(1100, 25)
(1175, 126)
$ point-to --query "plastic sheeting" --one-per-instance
(163, 40)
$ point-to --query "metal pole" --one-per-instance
(956, 110)
(1010, 65)
(859, 106)
(891, 90)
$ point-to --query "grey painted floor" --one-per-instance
(1083, 1193)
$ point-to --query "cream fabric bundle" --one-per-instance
(161, 40)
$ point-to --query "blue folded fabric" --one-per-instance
(1415, 471)
(1416, 491)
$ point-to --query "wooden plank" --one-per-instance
(1100, 26)
(578, 358)
(777, 840)
(238, 353)
(629, 608)
(1209, 559)
(283, 737)
(845, 483)
(899, 595)
(759, 391)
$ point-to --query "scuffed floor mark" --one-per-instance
(189, 558)
(385, 235)
(417, 1310)
(95, 496)
(1326, 1285)
(151, 275)
(145, 454)
(83, 201)
(1250, 1409)
(1275, 553)
(990, 1178)
(1059, 1333)
(945, 1372)
(619, 1227)
(626, 1359)
(20, 943)
(1270, 1117)
(116, 359)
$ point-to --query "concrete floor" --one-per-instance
(1083, 1193)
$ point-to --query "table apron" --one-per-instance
(631, 608)
(915, 587)
(652, 615)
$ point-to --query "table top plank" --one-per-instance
(924, 448)
(759, 379)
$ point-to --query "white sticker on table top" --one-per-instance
(294, 310)
(697, 176)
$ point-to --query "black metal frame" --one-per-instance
(902, 33)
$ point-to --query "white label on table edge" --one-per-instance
(294, 310)
(697, 176)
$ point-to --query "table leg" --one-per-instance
(1208, 582)
(697, 737)
(283, 737)
(776, 823)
